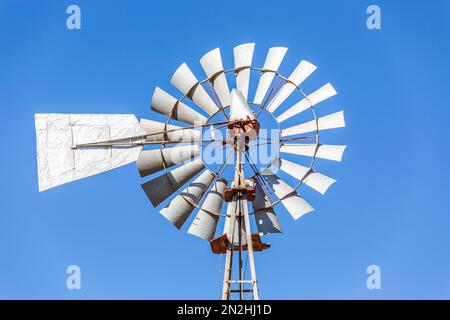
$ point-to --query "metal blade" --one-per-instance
(331, 121)
(301, 72)
(243, 55)
(151, 161)
(185, 81)
(164, 103)
(205, 222)
(324, 151)
(265, 217)
(315, 180)
(273, 60)
(179, 209)
(212, 64)
(291, 200)
(163, 186)
(312, 99)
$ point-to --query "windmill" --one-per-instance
(208, 115)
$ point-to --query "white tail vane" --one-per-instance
(185, 81)
(205, 223)
(312, 99)
(265, 217)
(212, 64)
(243, 55)
(179, 209)
(162, 187)
(57, 135)
(151, 161)
(323, 151)
(185, 179)
(164, 103)
(315, 180)
(271, 65)
(331, 121)
(301, 72)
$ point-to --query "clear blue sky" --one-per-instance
(390, 206)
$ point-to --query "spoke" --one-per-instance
(297, 139)
(216, 99)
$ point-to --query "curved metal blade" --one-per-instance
(273, 60)
(164, 103)
(151, 161)
(313, 179)
(312, 99)
(205, 222)
(243, 56)
(331, 121)
(301, 72)
(324, 151)
(160, 188)
(212, 64)
(185, 81)
(291, 200)
(179, 209)
(265, 217)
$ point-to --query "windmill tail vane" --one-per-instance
(208, 115)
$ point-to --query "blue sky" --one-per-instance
(389, 207)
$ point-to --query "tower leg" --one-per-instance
(251, 258)
(228, 270)
(238, 212)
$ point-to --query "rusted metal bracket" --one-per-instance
(220, 244)
(247, 192)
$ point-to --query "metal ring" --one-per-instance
(235, 70)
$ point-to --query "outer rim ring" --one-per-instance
(235, 70)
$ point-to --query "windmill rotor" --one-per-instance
(209, 116)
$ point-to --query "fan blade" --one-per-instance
(324, 151)
(239, 109)
(232, 207)
(205, 223)
(291, 200)
(273, 60)
(331, 121)
(212, 64)
(57, 134)
(301, 72)
(151, 161)
(185, 81)
(179, 209)
(157, 132)
(265, 217)
(315, 180)
(164, 103)
(312, 99)
(243, 56)
(160, 188)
